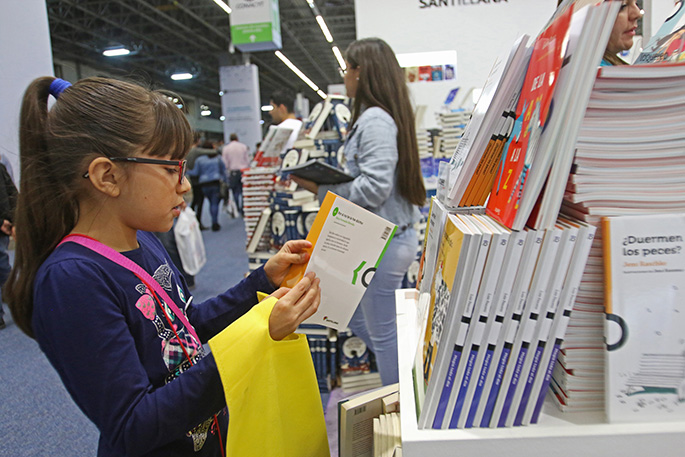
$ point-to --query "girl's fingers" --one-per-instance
(280, 293)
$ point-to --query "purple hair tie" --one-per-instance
(57, 87)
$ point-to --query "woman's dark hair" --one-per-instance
(381, 83)
(95, 117)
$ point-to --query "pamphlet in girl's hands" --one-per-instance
(348, 245)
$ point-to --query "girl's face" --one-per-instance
(152, 196)
(351, 80)
(621, 38)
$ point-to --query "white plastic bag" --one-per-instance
(189, 242)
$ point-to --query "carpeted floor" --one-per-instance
(37, 416)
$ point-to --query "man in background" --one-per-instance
(283, 114)
(236, 157)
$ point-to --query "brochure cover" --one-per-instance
(644, 266)
(348, 245)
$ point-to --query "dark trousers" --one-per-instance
(236, 185)
(198, 198)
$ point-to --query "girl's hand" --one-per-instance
(311, 186)
(292, 253)
(294, 306)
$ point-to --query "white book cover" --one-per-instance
(482, 315)
(514, 308)
(502, 293)
(464, 319)
(540, 336)
(504, 76)
(521, 343)
(456, 256)
(348, 244)
(586, 234)
(645, 327)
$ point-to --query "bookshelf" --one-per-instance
(558, 434)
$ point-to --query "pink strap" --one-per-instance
(120, 259)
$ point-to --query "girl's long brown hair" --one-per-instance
(382, 84)
(94, 117)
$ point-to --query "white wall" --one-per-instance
(478, 31)
(25, 54)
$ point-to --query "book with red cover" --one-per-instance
(531, 114)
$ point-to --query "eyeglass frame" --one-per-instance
(181, 164)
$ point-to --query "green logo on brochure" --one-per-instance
(335, 210)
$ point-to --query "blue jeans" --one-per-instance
(374, 321)
(213, 194)
(5, 267)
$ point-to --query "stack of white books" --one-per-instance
(629, 159)
(452, 125)
(258, 183)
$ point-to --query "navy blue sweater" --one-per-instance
(118, 357)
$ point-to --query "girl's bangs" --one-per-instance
(171, 133)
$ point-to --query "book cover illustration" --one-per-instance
(412, 74)
(437, 73)
(668, 44)
(449, 72)
(425, 73)
(531, 114)
(645, 317)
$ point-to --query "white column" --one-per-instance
(240, 103)
(25, 54)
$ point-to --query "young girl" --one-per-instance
(106, 164)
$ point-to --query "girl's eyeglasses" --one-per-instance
(181, 164)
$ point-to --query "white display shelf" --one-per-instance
(557, 434)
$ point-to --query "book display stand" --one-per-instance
(559, 434)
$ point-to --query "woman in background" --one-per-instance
(381, 152)
(621, 38)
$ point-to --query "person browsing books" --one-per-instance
(283, 114)
(381, 153)
(99, 171)
(236, 157)
(621, 38)
(210, 172)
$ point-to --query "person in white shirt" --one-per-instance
(283, 114)
(236, 157)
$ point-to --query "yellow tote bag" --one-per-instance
(274, 405)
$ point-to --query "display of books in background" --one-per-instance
(357, 366)
(258, 183)
(496, 315)
(452, 125)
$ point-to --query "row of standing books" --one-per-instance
(495, 307)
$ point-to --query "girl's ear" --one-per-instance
(105, 176)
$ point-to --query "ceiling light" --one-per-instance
(223, 6)
(205, 112)
(338, 55)
(324, 28)
(222, 118)
(181, 76)
(113, 52)
(221, 93)
(267, 108)
(297, 71)
(322, 94)
(311, 3)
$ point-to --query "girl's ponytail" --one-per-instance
(18, 291)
